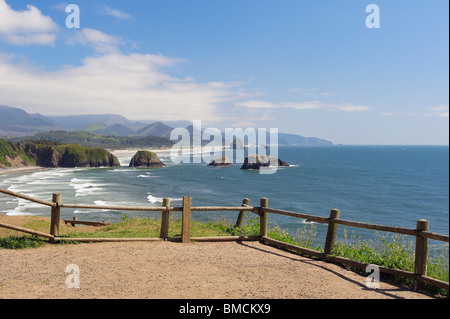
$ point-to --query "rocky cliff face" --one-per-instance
(79, 156)
(44, 155)
(146, 159)
(262, 161)
(47, 154)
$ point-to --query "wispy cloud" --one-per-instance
(310, 91)
(440, 110)
(434, 111)
(100, 41)
(135, 85)
(26, 27)
(307, 105)
(116, 13)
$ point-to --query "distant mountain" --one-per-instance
(155, 129)
(112, 130)
(297, 140)
(116, 130)
(93, 127)
(17, 122)
(76, 122)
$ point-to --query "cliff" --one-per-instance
(49, 154)
(74, 155)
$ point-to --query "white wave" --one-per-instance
(153, 199)
(99, 202)
(82, 212)
(308, 221)
(117, 170)
(22, 207)
(17, 213)
(84, 187)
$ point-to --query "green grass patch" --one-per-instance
(149, 227)
(397, 252)
(21, 242)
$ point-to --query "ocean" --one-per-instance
(389, 185)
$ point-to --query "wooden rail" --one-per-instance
(421, 232)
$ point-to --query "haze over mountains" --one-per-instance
(15, 122)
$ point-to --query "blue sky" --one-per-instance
(306, 67)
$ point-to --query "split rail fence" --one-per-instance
(421, 232)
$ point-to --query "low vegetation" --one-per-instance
(10, 151)
(89, 139)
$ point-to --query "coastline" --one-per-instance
(4, 171)
(24, 169)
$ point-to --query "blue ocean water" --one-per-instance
(390, 185)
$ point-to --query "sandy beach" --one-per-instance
(4, 171)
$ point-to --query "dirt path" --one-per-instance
(170, 270)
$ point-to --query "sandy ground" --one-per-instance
(168, 270)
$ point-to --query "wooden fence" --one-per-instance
(421, 232)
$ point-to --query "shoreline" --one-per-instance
(24, 169)
(4, 171)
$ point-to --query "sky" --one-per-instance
(314, 68)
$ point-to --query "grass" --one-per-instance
(21, 242)
(390, 250)
(147, 227)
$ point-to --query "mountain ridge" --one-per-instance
(16, 122)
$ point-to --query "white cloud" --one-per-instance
(101, 42)
(257, 104)
(307, 105)
(116, 13)
(133, 85)
(304, 90)
(351, 108)
(440, 110)
(26, 27)
(310, 91)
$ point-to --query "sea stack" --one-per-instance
(146, 159)
(261, 162)
(220, 162)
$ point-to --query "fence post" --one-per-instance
(241, 216)
(331, 232)
(186, 220)
(165, 219)
(56, 216)
(263, 219)
(421, 256)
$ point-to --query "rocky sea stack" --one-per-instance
(261, 162)
(74, 155)
(220, 162)
(146, 159)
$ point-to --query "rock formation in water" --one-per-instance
(261, 162)
(74, 155)
(146, 159)
(221, 162)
